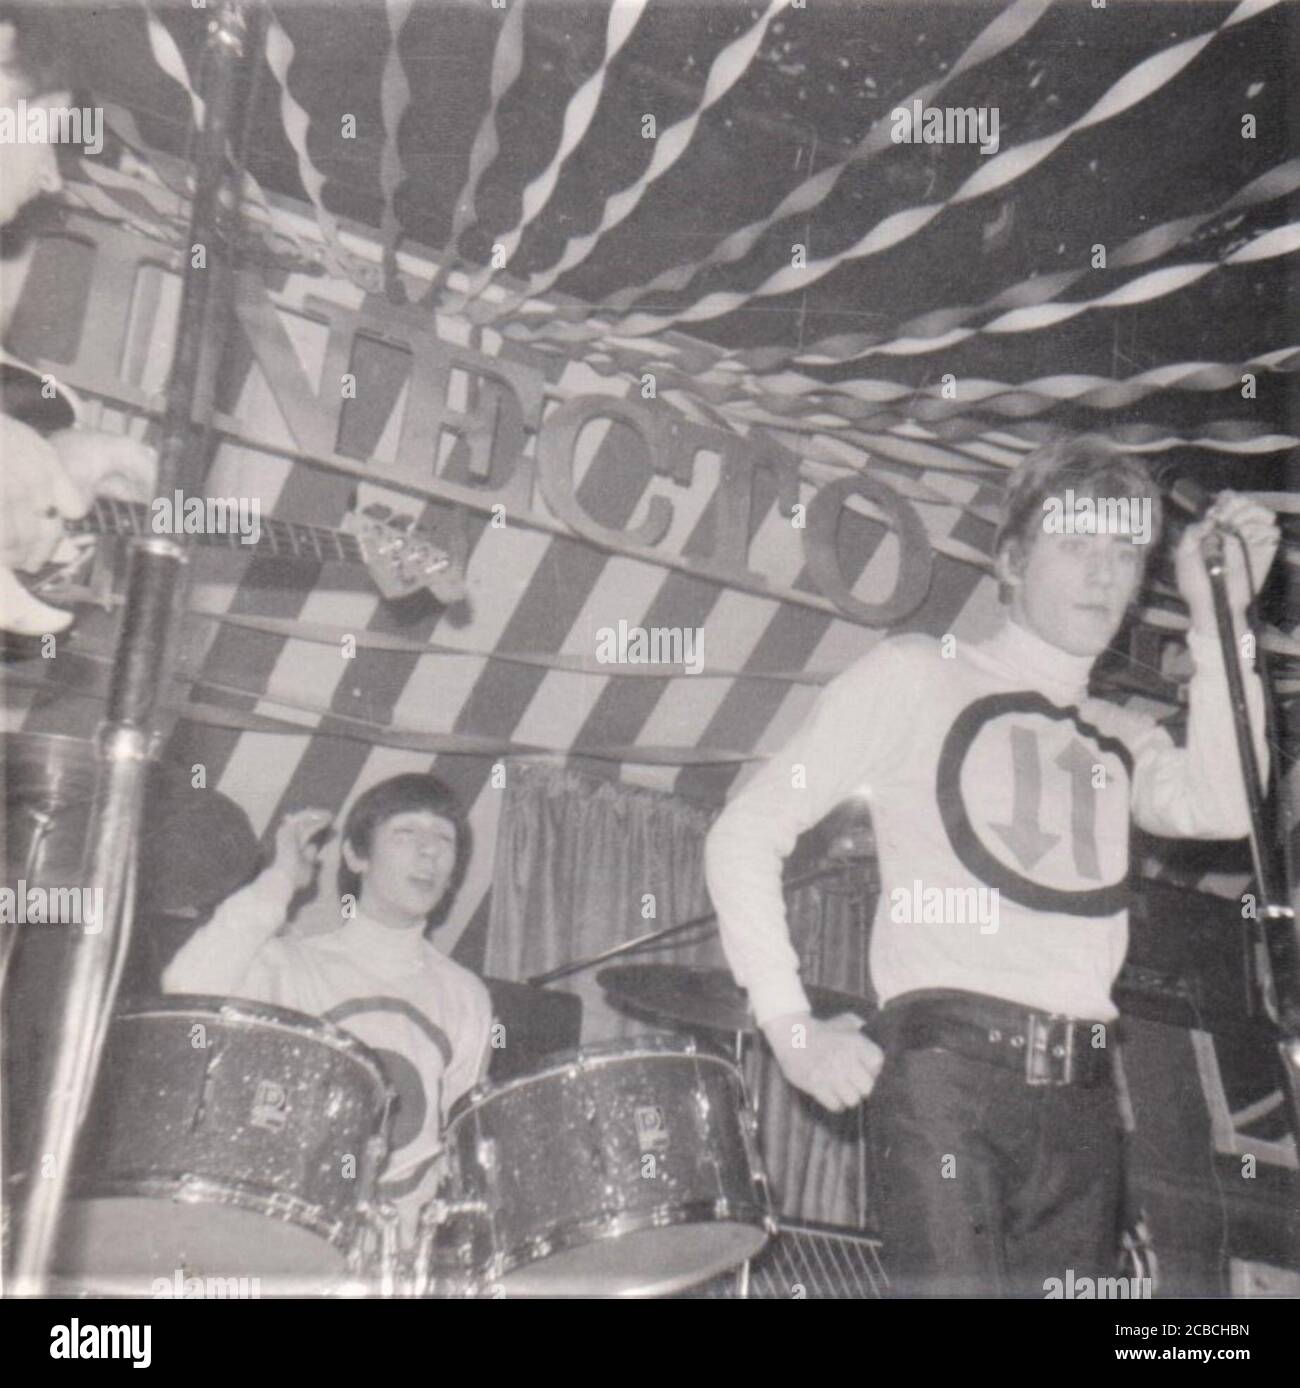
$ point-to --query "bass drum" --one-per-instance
(630, 1169)
(231, 1149)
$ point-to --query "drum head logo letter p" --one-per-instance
(269, 1101)
(651, 1131)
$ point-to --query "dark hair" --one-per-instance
(39, 60)
(1087, 464)
(400, 795)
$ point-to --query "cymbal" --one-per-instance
(196, 845)
(707, 999)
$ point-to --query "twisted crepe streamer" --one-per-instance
(1135, 86)
(338, 259)
(1037, 396)
(727, 69)
(507, 63)
(1221, 435)
(1008, 28)
(624, 15)
(168, 57)
(1154, 285)
(939, 323)
(786, 402)
(394, 97)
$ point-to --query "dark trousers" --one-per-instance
(988, 1186)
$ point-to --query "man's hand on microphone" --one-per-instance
(831, 1060)
(1257, 526)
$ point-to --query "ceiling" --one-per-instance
(822, 76)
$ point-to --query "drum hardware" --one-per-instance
(155, 593)
(705, 999)
(433, 1218)
(640, 942)
(387, 1223)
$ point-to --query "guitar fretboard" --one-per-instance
(108, 516)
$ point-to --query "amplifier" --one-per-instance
(806, 1262)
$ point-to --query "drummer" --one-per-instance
(404, 850)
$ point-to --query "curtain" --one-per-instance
(582, 862)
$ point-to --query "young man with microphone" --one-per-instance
(993, 1120)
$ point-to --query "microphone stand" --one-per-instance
(1280, 962)
(154, 595)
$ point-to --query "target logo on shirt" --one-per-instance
(413, 1053)
(1035, 802)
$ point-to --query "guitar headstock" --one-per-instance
(402, 559)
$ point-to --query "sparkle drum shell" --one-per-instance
(629, 1169)
(226, 1139)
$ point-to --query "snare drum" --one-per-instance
(629, 1169)
(226, 1140)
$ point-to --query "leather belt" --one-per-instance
(1045, 1048)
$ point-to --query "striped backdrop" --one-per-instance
(528, 591)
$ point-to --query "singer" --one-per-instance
(994, 1122)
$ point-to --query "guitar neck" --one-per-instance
(287, 539)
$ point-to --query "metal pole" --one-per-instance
(155, 593)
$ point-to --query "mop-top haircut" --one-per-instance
(414, 791)
(1077, 466)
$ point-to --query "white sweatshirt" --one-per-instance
(991, 769)
(426, 1017)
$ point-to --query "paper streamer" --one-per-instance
(578, 115)
(507, 64)
(175, 173)
(1241, 436)
(1003, 169)
(394, 98)
(1148, 246)
(864, 400)
(726, 70)
(341, 262)
(804, 397)
(168, 57)
(1007, 29)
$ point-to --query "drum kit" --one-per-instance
(232, 1147)
(241, 1143)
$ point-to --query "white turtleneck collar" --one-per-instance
(1037, 664)
(383, 945)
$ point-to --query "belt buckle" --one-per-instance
(1049, 1061)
